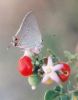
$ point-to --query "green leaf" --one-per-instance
(59, 89)
(51, 95)
(76, 93)
(65, 97)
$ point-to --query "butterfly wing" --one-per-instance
(29, 35)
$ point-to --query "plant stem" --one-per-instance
(67, 93)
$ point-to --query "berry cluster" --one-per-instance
(43, 70)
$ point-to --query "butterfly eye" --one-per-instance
(15, 38)
(15, 41)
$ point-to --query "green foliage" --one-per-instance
(34, 80)
(51, 95)
(71, 57)
(59, 93)
(76, 93)
(56, 94)
(59, 89)
(64, 92)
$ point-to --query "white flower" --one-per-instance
(50, 71)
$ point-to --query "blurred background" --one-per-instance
(58, 22)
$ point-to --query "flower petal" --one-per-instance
(44, 67)
(50, 62)
(45, 78)
(55, 77)
(57, 67)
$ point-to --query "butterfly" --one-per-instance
(28, 36)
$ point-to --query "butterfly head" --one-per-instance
(15, 41)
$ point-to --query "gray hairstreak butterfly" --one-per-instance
(28, 37)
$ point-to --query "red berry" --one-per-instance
(64, 72)
(25, 66)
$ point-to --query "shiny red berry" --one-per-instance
(25, 66)
(64, 72)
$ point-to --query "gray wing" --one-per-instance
(29, 34)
